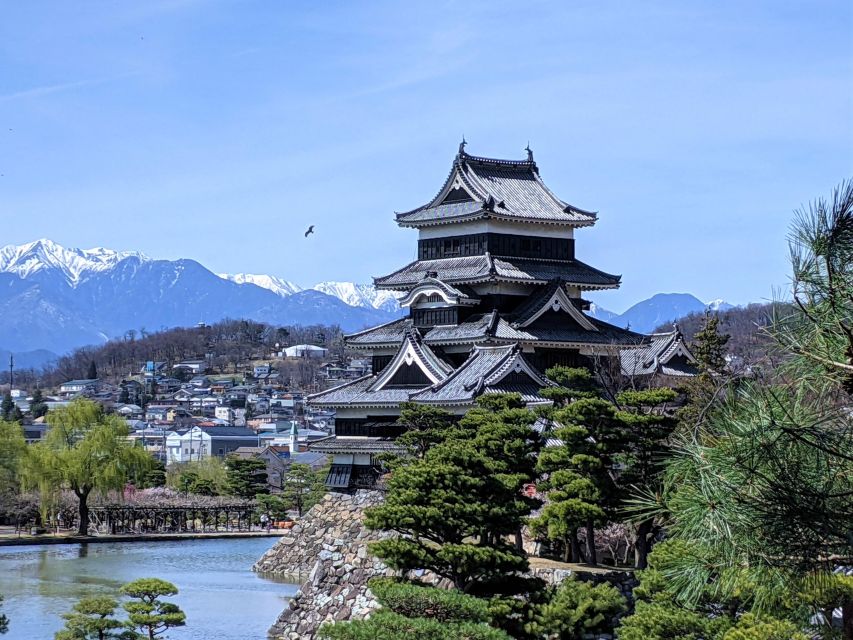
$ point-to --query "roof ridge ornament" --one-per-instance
(529, 152)
(462, 146)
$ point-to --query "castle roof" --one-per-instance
(489, 369)
(664, 353)
(488, 268)
(478, 188)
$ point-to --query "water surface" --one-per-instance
(218, 591)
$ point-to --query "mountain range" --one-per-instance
(657, 311)
(54, 299)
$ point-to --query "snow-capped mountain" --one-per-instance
(57, 299)
(75, 264)
(360, 295)
(277, 285)
(718, 305)
(355, 295)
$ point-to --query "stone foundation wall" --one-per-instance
(328, 550)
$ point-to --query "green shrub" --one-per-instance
(419, 601)
(387, 625)
(578, 608)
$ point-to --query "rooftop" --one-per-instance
(479, 187)
(488, 268)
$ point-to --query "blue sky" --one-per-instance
(220, 130)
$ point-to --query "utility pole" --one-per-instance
(11, 373)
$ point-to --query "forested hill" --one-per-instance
(746, 326)
(224, 345)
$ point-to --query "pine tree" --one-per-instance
(38, 408)
(455, 506)
(425, 426)
(7, 407)
(703, 391)
(709, 345)
(92, 373)
(147, 612)
(647, 425)
(417, 611)
(764, 479)
(303, 487)
(247, 477)
(92, 618)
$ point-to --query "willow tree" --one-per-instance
(765, 481)
(84, 451)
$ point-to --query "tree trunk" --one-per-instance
(577, 553)
(83, 511)
(519, 540)
(567, 549)
(642, 544)
(846, 619)
(590, 543)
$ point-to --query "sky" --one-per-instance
(219, 131)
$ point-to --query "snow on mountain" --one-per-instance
(719, 305)
(600, 313)
(277, 285)
(359, 295)
(75, 264)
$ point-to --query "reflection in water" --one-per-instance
(221, 596)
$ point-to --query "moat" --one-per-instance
(221, 596)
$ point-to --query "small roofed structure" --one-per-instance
(664, 355)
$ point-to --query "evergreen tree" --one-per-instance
(92, 372)
(247, 477)
(417, 611)
(578, 474)
(38, 408)
(577, 609)
(303, 487)
(147, 612)
(714, 614)
(709, 345)
(764, 480)
(7, 407)
(703, 391)
(92, 618)
(425, 426)
(648, 426)
(455, 506)
(84, 450)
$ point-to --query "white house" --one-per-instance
(305, 351)
(203, 442)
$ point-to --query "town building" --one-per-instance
(199, 442)
(494, 299)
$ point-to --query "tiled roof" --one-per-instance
(354, 444)
(358, 392)
(501, 189)
(486, 268)
(482, 372)
(663, 353)
(388, 333)
(492, 326)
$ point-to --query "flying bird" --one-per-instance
(310, 231)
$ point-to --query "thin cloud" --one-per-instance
(49, 89)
